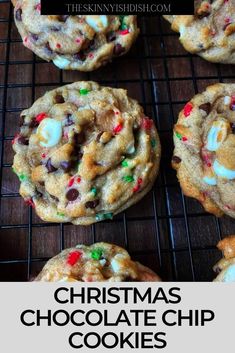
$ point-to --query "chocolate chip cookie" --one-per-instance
(85, 153)
(210, 33)
(226, 266)
(74, 42)
(100, 262)
(204, 155)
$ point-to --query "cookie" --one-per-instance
(226, 266)
(210, 33)
(74, 42)
(85, 153)
(100, 262)
(204, 155)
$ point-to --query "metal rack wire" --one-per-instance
(170, 233)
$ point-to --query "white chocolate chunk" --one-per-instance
(217, 134)
(227, 100)
(61, 63)
(116, 262)
(229, 275)
(98, 23)
(49, 132)
(223, 172)
(210, 180)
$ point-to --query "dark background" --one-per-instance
(171, 234)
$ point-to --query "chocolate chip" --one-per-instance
(80, 56)
(92, 204)
(72, 194)
(23, 141)
(48, 48)
(50, 167)
(233, 127)
(111, 36)
(63, 18)
(67, 165)
(18, 15)
(176, 159)
(33, 123)
(34, 37)
(59, 99)
(21, 121)
(118, 49)
(69, 121)
(206, 107)
(79, 138)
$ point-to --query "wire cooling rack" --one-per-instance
(166, 231)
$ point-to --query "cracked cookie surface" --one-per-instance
(204, 154)
(74, 42)
(85, 153)
(210, 33)
(225, 268)
(100, 262)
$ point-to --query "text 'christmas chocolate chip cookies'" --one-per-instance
(225, 268)
(204, 155)
(100, 262)
(85, 153)
(74, 42)
(210, 33)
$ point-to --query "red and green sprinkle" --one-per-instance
(188, 109)
(84, 91)
(74, 257)
(96, 254)
(128, 178)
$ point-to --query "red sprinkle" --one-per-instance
(147, 123)
(232, 105)
(184, 138)
(136, 188)
(91, 56)
(71, 181)
(188, 109)
(117, 128)
(124, 32)
(78, 40)
(58, 45)
(40, 117)
(74, 257)
(79, 180)
(15, 138)
(43, 155)
(30, 202)
(140, 181)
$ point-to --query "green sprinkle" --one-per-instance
(153, 143)
(60, 214)
(84, 91)
(23, 177)
(103, 216)
(96, 254)
(128, 178)
(124, 163)
(178, 135)
(94, 191)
